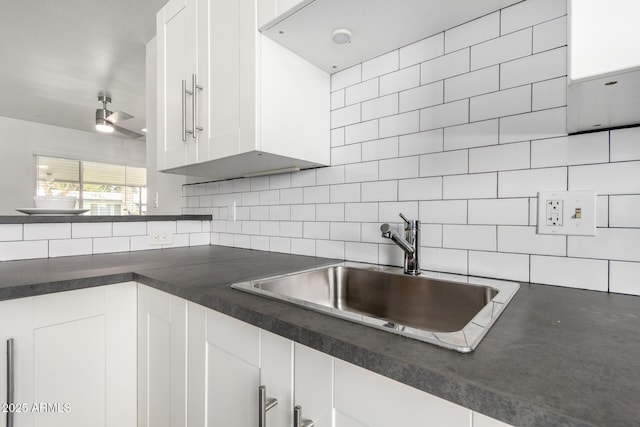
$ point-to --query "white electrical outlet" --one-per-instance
(161, 238)
(567, 212)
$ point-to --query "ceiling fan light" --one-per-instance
(103, 126)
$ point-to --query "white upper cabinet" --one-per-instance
(255, 106)
(604, 64)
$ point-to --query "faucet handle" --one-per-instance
(405, 219)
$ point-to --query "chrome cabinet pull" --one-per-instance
(298, 421)
(10, 382)
(194, 99)
(184, 111)
(264, 404)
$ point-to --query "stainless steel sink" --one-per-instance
(451, 313)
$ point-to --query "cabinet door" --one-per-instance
(84, 357)
(162, 335)
(365, 398)
(276, 374)
(16, 322)
(314, 385)
(176, 41)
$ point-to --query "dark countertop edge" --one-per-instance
(40, 219)
(457, 392)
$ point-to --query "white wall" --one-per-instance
(20, 140)
(459, 130)
(168, 187)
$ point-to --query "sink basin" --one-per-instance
(450, 313)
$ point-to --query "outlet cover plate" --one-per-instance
(577, 210)
(161, 238)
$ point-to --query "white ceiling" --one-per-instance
(56, 56)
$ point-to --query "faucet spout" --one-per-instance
(409, 243)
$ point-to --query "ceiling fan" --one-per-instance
(106, 120)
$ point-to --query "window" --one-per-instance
(105, 189)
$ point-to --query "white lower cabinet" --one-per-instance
(74, 357)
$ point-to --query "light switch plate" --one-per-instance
(571, 213)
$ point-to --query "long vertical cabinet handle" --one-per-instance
(264, 404)
(195, 87)
(298, 421)
(10, 383)
(184, 111)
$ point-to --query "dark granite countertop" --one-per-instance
(555, 357)
(37, 219)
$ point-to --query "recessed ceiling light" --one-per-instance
(341, 36)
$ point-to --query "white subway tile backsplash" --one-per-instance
(315, 230)
(345, 193)
(250, 227)
(400, 124)
(47, 231)
(535, 68)
(250, 199)
(184, 227)
(269, 228)
(361, 92)
(303, 213)
(10, 232)
(549, 94)
(420, 189)
(280, 244)
(380, 191)
(623, 277)
(570, 272)
(291, 229)
(390, 211)
(361, 212)
(403, 167)
(17, 250)
(70, 247)
(330, 212)
(431, 235)
(370, 233)
(500, 104)
(361, 252)
(161, 226)
(444, 66)
(420, 143)
(499, 211)
(550, 34)
(623, 211)
(91, 229)
(444, 211)
(346, 154)
(502, 49)
(446, 260)
(326, 176)
(279, 213)
(535, 125)
(289, 196)
(478, 237)
(474, 186)
(348, 77)
(530, 12)
(499, 265)
(471, 84)
(345, 116)
(527, 183)
(609, 178)
(345, 232)
(620, 244)
(571, 150)
(403, 79)
(625, 144)
(470, 33)
(241, 185)
(240, 241)
(316, 194)
(359, 132)
(304, 178)
(422, 50)
(270, 197)
(105, 245)
(260, 243)
(500, 157)
(602, 211)
(337, 99)
(380, 149)
(258, 213)
(195, 239)
(303, 247)
(421, 97)
(470, 135)
(337, 137)
(380, 65)
(449, 114)
(361, 172)
(281, 180)
(446, 163)
(525, 240)
(330, 249)
(390, 254)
